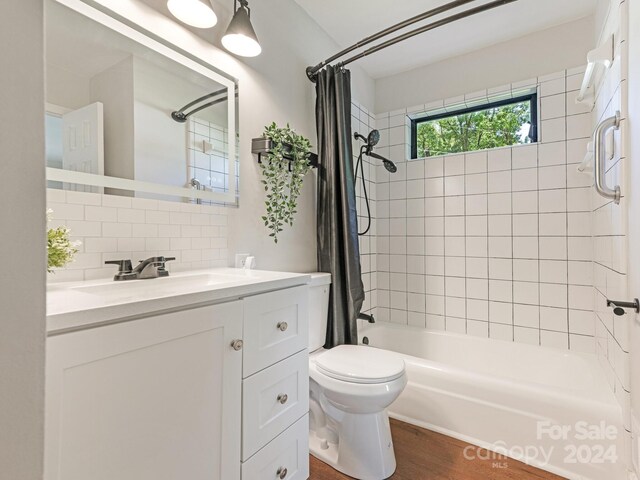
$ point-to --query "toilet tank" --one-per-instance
(318, 309)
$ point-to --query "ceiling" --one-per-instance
(347, 22)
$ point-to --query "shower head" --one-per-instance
(390, 166)
(371, 141)
(373, 138)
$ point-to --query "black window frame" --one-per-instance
(532, 98)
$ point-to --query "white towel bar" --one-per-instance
(602, 55)
(587, 164)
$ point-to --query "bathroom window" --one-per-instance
(497, 124)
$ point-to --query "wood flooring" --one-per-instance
(425, 455)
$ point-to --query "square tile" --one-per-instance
(499, 182)
(525, 225)
(500, 225)
(525, 270)
(500, 312)
(501, 268)
(553, 271)
(525, 179)
(525, 156)
(499, 159)
(554, 319)
(526, 316)
(499, 203)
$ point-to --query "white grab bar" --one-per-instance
(599, 160)
(602, 55)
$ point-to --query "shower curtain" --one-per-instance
(338, 248)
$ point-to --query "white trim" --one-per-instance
(57, 110)
(104, 19)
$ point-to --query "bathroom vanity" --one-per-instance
(195, 376)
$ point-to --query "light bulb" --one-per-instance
(193, 12)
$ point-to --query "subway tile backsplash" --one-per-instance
(112, 228)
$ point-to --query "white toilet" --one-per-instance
(350, 388)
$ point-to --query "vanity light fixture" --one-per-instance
(240, 37)
(193, 12)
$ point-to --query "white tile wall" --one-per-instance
(609, 220)
(113, 228)
(210, 168)
(493, 243)
(362, 121)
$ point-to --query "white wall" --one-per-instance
(633, 199)
(610, 229)
(530, 56)
(114, 88)
(273, 87)
(22, 211)
(277, 89)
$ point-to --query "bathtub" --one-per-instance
(549, 408)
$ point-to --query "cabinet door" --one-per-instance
(151, 399)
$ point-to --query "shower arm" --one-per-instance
(312, 71)
(376, 156)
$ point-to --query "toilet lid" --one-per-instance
(358, 364)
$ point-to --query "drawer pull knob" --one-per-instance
(281, 473)
(282, 326)
(237, 345)
(282, 398)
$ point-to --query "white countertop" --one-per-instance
(77, 305)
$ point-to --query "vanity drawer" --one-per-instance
(288, 451)
(275, 327)
(272, 400)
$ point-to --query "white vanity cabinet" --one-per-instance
(217, 392)
(157, 398)
(275, 403)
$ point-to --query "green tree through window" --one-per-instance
(493, 127)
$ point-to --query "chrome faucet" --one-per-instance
(153, 267)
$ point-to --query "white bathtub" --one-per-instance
(510, 398)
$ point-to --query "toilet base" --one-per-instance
(364, 449)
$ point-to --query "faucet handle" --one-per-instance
(124, 266)
(125, 269)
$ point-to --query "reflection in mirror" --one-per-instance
(118, 108)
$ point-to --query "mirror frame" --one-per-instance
(169, 51)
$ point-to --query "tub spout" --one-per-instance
(367, 317)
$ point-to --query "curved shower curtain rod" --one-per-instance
(182, 115)
(313, 71)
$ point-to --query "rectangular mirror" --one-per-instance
(128, 115)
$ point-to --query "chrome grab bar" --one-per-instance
(599, 167)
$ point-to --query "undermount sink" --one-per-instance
(159, 286)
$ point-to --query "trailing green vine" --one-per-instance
(283, 170)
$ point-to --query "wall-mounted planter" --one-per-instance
(261, 146)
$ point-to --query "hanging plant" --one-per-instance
(284, 169)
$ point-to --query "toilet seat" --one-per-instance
(358, 364)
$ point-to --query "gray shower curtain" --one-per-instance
(338, 248)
